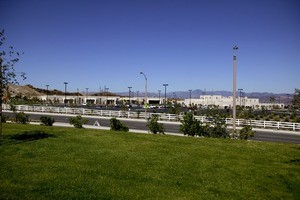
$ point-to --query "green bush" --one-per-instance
(297, 120)
(21, 118)
(246, 132)
(154, 126)
(116, 125)
(78, 121)
(286, 119)
(218, 128)
(189, 125)
(47, 121)
(4, 118)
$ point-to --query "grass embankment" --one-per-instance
(69, 163)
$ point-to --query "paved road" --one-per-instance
(261, 134)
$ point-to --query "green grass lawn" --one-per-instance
(69, 163)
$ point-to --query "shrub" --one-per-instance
(47, 121)
(21, 118)
(154, 126)
(219, 128)
(4, 118)
(116, 125)
(190, 126)
(246, 132)
(286, 119)
(297, 120)
(78, 121)
(276, 118)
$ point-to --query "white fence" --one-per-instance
(141, 115)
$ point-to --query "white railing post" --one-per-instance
(294, 126)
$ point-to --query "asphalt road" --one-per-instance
(260, 135)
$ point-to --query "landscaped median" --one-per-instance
(39, 162)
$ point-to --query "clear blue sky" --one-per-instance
(185, 43)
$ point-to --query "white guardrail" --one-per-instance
(141, 115)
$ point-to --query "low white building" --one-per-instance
(226, 102)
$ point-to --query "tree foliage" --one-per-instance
(8, 59)
(189, 125)
(117, 125)
(215, 127)
(154, 126)
(21, 118)
(78, 121)
(47, 121)
(246, 132)
(296, 99)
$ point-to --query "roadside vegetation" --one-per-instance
(43, 162)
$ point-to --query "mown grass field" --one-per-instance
(69, 163)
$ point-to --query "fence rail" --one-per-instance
(141, 115)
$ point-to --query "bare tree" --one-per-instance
(8, 59)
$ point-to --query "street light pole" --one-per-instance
(235, 48)
(106, 97)
(190, 98)
(159, 95)
(165, 85)
(47, 95)
(129, 88)
(66, 83)
(240, 97)
(86, 95)
(146, 96)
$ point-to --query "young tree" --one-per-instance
(296, 99)
(8, 59)
(189, 125)
(154, 126)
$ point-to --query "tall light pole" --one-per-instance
(235, 48)
(190, 97)
(240, 96)
(159, 95)
(77, 98)
(146, 96)
(165, 85)
(65, 101)
(129, 91)
(86, 95)
(106, 89)
(47, 95)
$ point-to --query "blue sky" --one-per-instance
(185, 43)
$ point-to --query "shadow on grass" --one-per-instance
(294, 161)
(26, 136)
